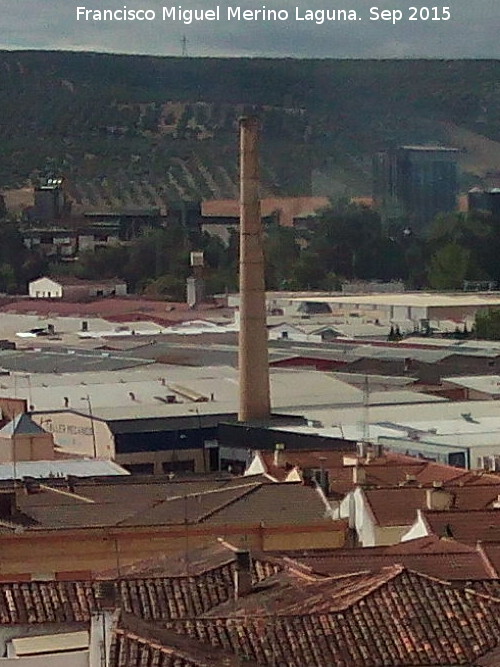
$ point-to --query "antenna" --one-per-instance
(184, 42)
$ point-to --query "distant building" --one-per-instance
(50, 200)
(74, 289)
(415, 183)
(485, 200)
(24, 440)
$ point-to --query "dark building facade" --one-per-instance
(415, 183)
(485, 200)
(50, 200)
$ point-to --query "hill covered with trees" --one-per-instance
(141, 130)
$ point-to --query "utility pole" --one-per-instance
(89, 403)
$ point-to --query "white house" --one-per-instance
(71, 288)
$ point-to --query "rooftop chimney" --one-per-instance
(438, 498)
(255, 401)
(106, 595)
(242, 574)
(358, 475)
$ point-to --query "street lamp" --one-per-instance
(87, 398)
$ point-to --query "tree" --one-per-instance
(281, 254)
(347, 240)
(487, 325)
(475, 233)
(448, 267)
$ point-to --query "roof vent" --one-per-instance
(469, 418)
(132, 396)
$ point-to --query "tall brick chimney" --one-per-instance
(255, 404)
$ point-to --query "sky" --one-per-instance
(470, 32)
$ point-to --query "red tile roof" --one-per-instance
(404, 618)
(398, 506)
(150, 502)
(443, 558)
(390, 617)
(120, 310)
(388, 470)
(142, 644)
(467, 525)
(151, 598)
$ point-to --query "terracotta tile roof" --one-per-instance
(149, 503)
(489, 587)
(398, 506)
(157, 598)
(446, 559)
(392, 617)
(128, 650)
(467, 526)
(142, 644)
(491, 553)
(388, 470)
(165, 598)
(193, 564)
(120, 310)
(46, 602)
(274, 504)
(404, 619)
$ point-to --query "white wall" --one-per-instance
(256, 466)
(75, 433)
(44, 288)
(419, 529)
(356, 509)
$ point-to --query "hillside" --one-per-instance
(141, 130)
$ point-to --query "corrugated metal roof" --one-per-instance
(62, 468)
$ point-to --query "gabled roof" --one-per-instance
(150, 597)
(402, 618)
(391, 469)
(398, 506)
(466, 525)
(21, 425)
(443, 558)
(138, 643)
(125, 501)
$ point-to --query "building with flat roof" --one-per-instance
(412, 184)
(410, 310)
